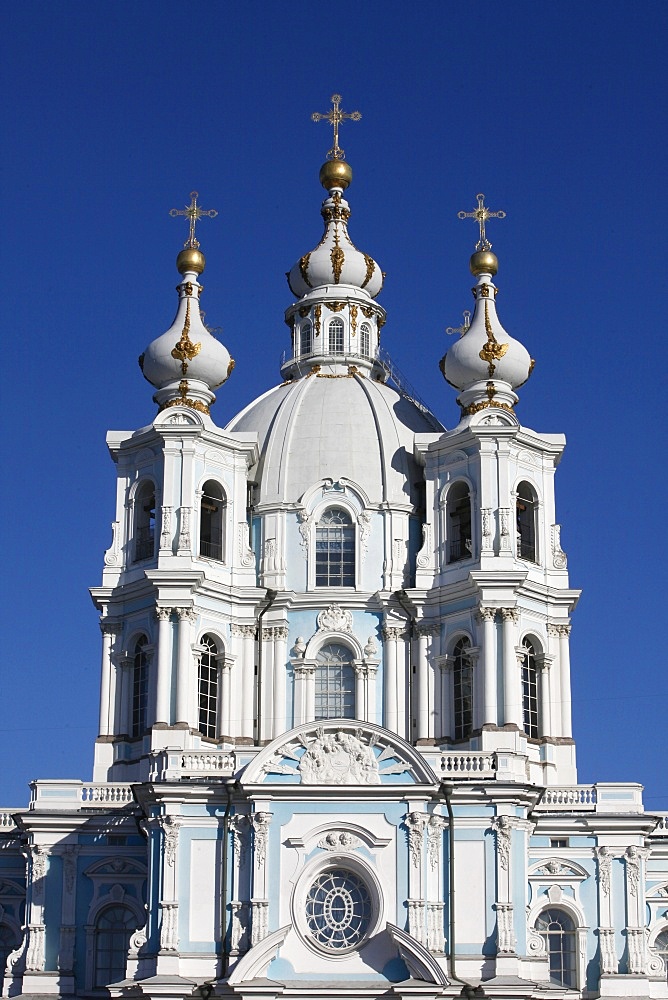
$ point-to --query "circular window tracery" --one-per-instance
(338, 909)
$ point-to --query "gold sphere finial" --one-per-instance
(190, 259)
(484, 262)
(335, 174)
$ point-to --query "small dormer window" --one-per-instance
(306, 339)
(335, 332)
(365, 340)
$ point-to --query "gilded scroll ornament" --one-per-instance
(304, 311)
(353, 320)
(317, 313)
(185, 350)
(368, 311)
(335, 307)
(369, 261)
(184, 400)
(493, 350)
(338, 258)
(303, 268)
(230, 367)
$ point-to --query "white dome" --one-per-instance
(322, 427)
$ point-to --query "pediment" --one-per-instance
(339, 752)
(558, 868)
(116, 868)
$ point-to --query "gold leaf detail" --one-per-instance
(368, 311)
(532, 365)
(337, 257)
(304, 311)
(303, 268)
(335, 307)
(230, 367)
(492, 350)
(369, 270)
(317, 313)
(185, 350)
(353, 320)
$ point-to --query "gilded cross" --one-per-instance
(481, 215)
(193, 213)
(461, 330)
(335, 117)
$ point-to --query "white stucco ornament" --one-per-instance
(339, 759)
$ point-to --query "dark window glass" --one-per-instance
(459, 523)
(115, 926)
(305, 339)
(207, 689)
(212, 515)
(144, 522)
(526, 522)
(530, 690)
(335, 550)
(139, 687)
(463, 690)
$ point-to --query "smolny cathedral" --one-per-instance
(335, 756)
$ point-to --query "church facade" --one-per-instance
(335, 754)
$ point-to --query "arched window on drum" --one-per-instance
(334, 683)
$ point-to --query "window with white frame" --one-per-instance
(365, 339)
(335, 549)
(207, 687)
(526, 507)
(139, 687)
(306, 338)
(339, 910)
(530, 689)
(212, 521)
(458, 527)
(334, 683)
(335, 333)
(144, 522)
(462, 676)
(113, 929)
(557, 929)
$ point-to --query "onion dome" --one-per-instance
(187, 363)
(485, 363)
(335, 260)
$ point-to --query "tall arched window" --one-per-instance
(335, 331)
(144, 522)
(462, 676)
(530, 689)
(335, 549)
(207, 688)
(458, 514)
(211, 521)
(306, 338)
(113, 930)
(365, 339)
(139, 687)
(558, 931)
(526, 507)
(334, 683)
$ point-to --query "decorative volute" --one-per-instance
(187, 363)
(486, 363)
(334, 281)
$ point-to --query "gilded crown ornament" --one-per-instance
(335, 117)
(193, 213)
(481, 214)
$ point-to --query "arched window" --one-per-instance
(462, 676)
(145, 522)
(458, 514)
(211, 521)
(526, 507)
(558, 931)
(335, 331)
(207, 688)
(334, 683)
(530, 689)
(139, 687)
(365, 339)
(660, 947)
(8, 943)
(306, 338)
(113, 930)
(335, 549)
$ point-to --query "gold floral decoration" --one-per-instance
(317, 313)
(493, 350)
(353, 319)
(185, 350)
(338, 258)
(369, 261)
(303, 268)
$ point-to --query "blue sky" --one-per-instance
(114, 112)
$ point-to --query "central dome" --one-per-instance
(321, 427)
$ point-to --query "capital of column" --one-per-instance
(108, 627)
(510, 615)
(446, 662)
(274, 632)
(426, 629)
(163, 614)
(471, 653)
(392, 632)
(558, 630)
(486, 614)
(304, 668)
(247, 631)
(186, 614)
(543, 661)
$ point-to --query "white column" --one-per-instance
(163, 686)
(512, 691)
(390, 708)
(360, 690)
(490, 710)
(124, 695)
(309, 692)
(225, 669)
(184, 668)
(109, 630)
(247, 634)
(266, 681)
(544, 663)
(423, 685)
(565, 676)
(280, 633)
(446, 664)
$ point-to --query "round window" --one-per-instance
(338, 909)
